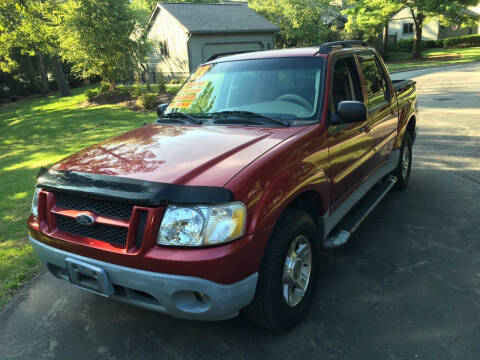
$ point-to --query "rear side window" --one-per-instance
(375, 83)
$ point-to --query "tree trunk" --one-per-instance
(43, 72)
(11, 84)
(60, 78)
(385, 37)
(417, 43)
(31, 73)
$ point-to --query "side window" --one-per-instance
(163, 48)
(345, 83)
(407, 28)
(375, 83)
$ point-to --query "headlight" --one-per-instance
(35, 202)
(202, 225)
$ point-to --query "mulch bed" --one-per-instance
(122, 99)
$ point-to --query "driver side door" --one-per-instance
(350, 145)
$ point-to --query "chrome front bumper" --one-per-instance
(183, 297)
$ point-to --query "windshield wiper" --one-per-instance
(248, 115)
(187, 119)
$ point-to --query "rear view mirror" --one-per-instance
(349, 112)
(161, 109)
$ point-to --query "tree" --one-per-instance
(96, 38)
(16, 56)
(447, 11)
(367, 18)
(301, 22)
(25, 29)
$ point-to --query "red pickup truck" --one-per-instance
(260, 161)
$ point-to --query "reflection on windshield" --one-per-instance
(282, 88)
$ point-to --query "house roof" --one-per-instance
(217, 18)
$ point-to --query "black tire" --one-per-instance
(404, 176)
(269, 308)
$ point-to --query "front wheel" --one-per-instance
(402, 172)
(287, 275)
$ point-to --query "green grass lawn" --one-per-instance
(401, 60)
(37, 133)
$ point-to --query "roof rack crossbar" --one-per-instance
(328, 47)
(216, 56)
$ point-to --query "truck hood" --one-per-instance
(184, 155)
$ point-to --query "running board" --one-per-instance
(356, 217)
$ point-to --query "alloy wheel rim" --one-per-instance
(297, 270)
(405, 161)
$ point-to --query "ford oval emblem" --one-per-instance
(85, 220)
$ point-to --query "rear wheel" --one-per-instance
(402, 172)
(287, 275)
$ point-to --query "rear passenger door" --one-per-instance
(381, 105)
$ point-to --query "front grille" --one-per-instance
(110, 234)
(100, 207)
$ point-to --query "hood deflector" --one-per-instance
(134, 191)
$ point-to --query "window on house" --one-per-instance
(407, 28)
(163, 48)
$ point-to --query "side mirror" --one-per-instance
(349, 112)
(161, 109)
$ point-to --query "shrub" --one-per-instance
(172, 90)
(428, 44)
(439, 43)
(177, 80)
(456, 42)
(462, 41)
(147, 101)
(104, 87)
(125, 91)
(91, 94)
(136, 91)
(161, 88)
(405, 44)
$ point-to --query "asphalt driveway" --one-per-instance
(406, 287)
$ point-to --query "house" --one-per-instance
(401, 25)
(184, 35)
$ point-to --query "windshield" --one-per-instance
(280, 88)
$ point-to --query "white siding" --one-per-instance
(201, 47)
(395, 26)
(167, 29)
(476, 9)
(431, 30)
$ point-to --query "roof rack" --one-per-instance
(216, 56)
(328, 47)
